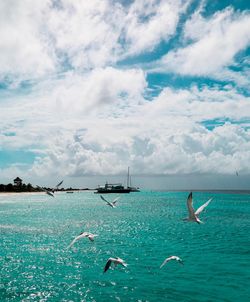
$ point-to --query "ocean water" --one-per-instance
(144, 229)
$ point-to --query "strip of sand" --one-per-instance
(18, 193)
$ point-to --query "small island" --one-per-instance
(19, 187)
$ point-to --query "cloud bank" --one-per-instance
(70, 98)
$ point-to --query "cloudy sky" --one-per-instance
(88, 88)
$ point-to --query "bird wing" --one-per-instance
(58, 185)
(201, 208)
(115, 200)
(73, 242)
(104, 199)
(109, 203)
(107, 266)
(165, 261)
(46, 191)
(190, 206)
(49, 193)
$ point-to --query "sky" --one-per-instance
(88, 88)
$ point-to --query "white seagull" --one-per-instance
(82, 235)
(116, 261)
(193, 215)
(46, 191)
(111, 204)
(178, 259)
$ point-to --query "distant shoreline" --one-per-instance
(41, 192)
(183, 190)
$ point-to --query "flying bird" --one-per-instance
(116, 261)
(193, 215)
(46, 191)
(82, 235)
(111, 204)
(57, 186)
(176, 258)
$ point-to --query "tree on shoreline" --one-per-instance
(23, 188)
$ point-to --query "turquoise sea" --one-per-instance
(144, 229)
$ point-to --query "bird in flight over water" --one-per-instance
(46, 191)
(82, 235)
(112, 203)
(50, 192)
(193, 215)
(176, 258)
(116, 261)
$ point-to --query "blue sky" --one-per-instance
(88, 89)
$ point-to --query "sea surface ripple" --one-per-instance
(144, 229)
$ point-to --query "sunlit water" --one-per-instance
(144, 229)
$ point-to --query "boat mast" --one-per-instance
(128, 178)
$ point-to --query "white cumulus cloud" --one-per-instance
(150, 22)
(212, 43)
(163, 136)
(24, 46)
